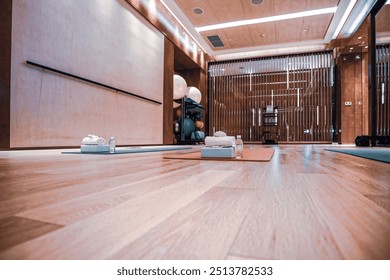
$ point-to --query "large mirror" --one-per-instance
(382, 104)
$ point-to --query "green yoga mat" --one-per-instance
(133, 150)
(382, 155)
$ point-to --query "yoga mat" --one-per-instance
(133, 150)
(259, 155)
(382, 155)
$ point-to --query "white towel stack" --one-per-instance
(93, 140)
(223, 141)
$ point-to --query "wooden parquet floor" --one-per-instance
(306, 203)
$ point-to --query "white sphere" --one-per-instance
(179, 87)
(194, 94)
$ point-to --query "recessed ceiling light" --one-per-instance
(266, 19)
(257, 2)
(360, 37)
(262, 35)
(198, 11)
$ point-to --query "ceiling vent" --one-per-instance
(215, 41)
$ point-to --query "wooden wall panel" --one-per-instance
(169, 56)
(354, 88)
(5, 70)
(105, 41)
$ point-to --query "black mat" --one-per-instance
(133, 150)
(382, 155)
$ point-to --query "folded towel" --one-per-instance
(220, 134)
(227, 141)
(93, 140)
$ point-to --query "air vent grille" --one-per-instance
(215, 41)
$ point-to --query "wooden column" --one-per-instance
(5, 71)
(169, 55)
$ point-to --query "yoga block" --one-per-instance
(94, 148)
(227, 152)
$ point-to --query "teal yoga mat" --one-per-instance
(382, 155)
(134, 150)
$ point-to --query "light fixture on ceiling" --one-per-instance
(197, 11)
(257, 2)
(358, 20)
(356, 17)
(267, 19)
(344, 18)
(181, 24)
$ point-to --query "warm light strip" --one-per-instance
(344, 18)
(266, 19)
(182, 25)
(358, 20)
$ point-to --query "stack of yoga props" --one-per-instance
(219, 146)
(93, 143)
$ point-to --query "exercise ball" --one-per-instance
(179, 113)
(199, 124)
(188, 127)
(194, 94)
(179, 87)
(199, 135)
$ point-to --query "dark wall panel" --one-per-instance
(5, 71)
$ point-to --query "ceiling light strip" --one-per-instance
(182, 25)
(344, 19)
(266, 19)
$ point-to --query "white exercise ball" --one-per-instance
(194, 94)
(179, 87)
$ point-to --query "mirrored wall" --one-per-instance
(382, 73)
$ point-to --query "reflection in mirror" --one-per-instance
(382, 22)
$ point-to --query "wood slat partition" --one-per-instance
(382, 89)
(299, 86)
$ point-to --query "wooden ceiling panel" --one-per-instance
(266, 9)
(221, 35)
(239, 37)
(288, 31)
(208, 17)
(315, 27)
(287, 7)
(263, 33)
(227, 10)
(320, 4)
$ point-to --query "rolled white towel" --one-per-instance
(93, 140)
(228, 141)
